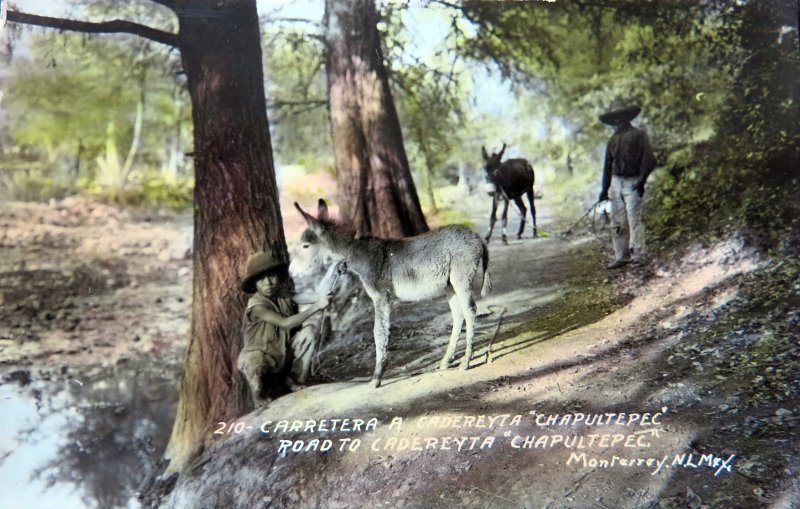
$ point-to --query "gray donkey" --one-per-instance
(442, 261)
(509, 180)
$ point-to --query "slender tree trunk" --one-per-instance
(127, 165)
(236, 207)
(376, 189)
(174, 150)
(429, 183)
(419, 132)
(76, 169)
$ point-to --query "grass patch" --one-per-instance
(588, 299)
(152, 189)
(445, 215)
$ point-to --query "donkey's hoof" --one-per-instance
(464, 366)
(375, 383)
(505, 240)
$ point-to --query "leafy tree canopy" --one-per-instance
(718, 82)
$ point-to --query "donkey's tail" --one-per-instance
(487, 278)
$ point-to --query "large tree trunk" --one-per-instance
(236, 207)
(376, 190)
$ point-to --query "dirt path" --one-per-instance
(697, 345)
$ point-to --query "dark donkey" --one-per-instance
(509, 180)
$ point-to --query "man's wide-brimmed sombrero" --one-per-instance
(620, 114)
(258, 265)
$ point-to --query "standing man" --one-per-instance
(629, 161)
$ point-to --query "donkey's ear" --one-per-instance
(322, 210)
(308, 217)
(484, 154)
(500, 155)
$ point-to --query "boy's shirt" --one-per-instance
(260, 335)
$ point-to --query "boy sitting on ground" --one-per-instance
(273, 336)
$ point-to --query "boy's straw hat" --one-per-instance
(258, 265)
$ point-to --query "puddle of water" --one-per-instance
(86, 438)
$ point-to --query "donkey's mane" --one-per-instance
(337, 227)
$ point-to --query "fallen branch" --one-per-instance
(499, 496)
(491, 341)
(577, 485)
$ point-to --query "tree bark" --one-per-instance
(375, 186)
(236, 207)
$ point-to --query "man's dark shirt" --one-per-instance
(628, 154)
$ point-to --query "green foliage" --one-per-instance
(445, 216)
(429, 107)
(147, 189)
(150, 189)
(24, 177)
(296, 97)
(567, 194)
(577, 57)
(714, 198)
(746, 176)
(717, 80)
(97, 107)
(718, 83)
(33, 186)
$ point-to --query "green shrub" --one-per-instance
(151, 189)
(34, 186)
(446, 215)
(711, 195)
